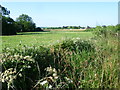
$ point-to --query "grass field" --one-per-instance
(41, 38)
(73, 63)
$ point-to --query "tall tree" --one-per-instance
(25, 23)
(4, 11)
(8, 24)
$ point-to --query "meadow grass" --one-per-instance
(41, 38)
(77, 62)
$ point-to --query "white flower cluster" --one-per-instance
(68, 80)
(28, 58)
(76, 39)
(51, 78)
(15, 57)
(53, 72)
(8, 75)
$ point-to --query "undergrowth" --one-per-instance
(73, 63)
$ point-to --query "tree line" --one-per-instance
(67, 27)
(23, 23)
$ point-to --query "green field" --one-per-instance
(68, 63)
(41, 38)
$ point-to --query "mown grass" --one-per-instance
(41, 38)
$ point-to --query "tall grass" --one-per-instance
(73, 63)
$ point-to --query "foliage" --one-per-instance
(25, 23)
(105, 31)
(73, 63)
(4, 11)
(66, 27)
(21, 67)
(8, 26)
(38, 29)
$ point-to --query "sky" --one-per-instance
(55, 14)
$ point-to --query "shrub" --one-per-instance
(17, 71)
(76, 44)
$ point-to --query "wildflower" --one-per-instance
(26, 57)
(16, 56)
(35, 54)
(95, 75)
(68, 79)
(6, 71)
(44, 82)
(82, 41)
(50, 86)
(54, 70)
(10, 72)
(56, 77)
(77, 38)
(20, 74)
(74, 41)
(50, 79)
(29, 67)
(7, 48)
(3, 80)
(21, 56)
(54, 74)
(10, 69)
(11, 78)
(49, 69)
(7, 78)
(14, 71)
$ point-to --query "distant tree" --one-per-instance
(25, 23)
(65, 27)
(82, 27)
(75, 27)
(38, 29)
(88, 27)
(79, 27)
(104, 26)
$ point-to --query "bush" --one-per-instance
(17, 71)
(77, 45)
(103, 32)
